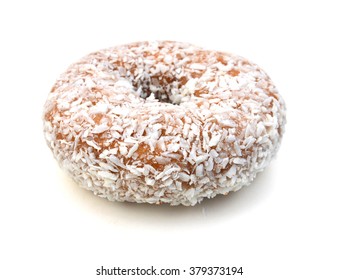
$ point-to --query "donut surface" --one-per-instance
(163, 122)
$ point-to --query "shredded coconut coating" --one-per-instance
(163, 122)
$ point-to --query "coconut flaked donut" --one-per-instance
(163, 122)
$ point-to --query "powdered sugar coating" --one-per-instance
(163, 122)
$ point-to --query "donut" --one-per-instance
(163, 122)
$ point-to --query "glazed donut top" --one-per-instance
(159, 107)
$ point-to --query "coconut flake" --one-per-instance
(197, 66)
(232, 171)
(199, 170)
(100, 128)
(214, 140)
(201, 158)
(240, 161)
(210, 164)
(132, 150)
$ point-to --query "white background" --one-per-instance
(283, 226)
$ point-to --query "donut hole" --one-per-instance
(165, 87)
